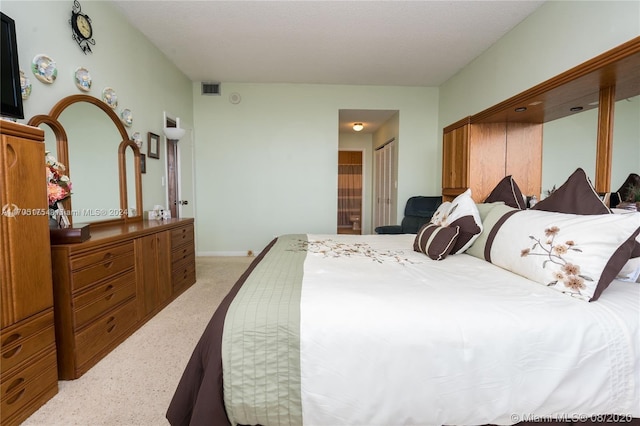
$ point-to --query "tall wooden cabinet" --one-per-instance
(479, 155)
(105, 288)
(28, 375)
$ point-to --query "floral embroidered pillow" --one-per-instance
(461, 212)
(575, 254)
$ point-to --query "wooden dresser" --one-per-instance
(28, 374)
(105, 288)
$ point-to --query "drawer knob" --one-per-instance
(13, 352)
(107, 256)
(11, 339)
(111, 325)
(16, 398)
(108, 289)
(17, 382)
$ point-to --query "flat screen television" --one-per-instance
(11, 93)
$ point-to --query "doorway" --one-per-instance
(180, 188)
(379, 126)
(349, 192)
(172, 172)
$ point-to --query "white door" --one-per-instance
(385, 184)
(186, 172)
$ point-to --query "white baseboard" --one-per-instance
(223, 253)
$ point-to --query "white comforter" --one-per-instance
(404, 340)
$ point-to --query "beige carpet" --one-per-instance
(134, 384)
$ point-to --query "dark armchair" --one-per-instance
(417, 212)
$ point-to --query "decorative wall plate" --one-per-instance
(127, 117)
(44, 68)
(83, 79)
(25, 85)
(109, 97)
(137, 139)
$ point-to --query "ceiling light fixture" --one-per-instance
(174, 133)
(357, 127)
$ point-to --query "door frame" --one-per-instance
(184, 163)
(171, 169)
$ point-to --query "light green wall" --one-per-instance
(268, 165)
(555, 38)
(145, 81)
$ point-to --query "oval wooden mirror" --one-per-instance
(98, 160)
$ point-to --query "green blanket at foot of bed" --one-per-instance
(261, 340)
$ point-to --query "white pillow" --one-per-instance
(630, 271)
(462, 212)
(576, 254)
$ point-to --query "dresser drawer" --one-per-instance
(26, 338)
(31, 383)
(183, 273)
(95, 302)
(183, 252)
(102, 255)
(103, 332)
(181, 236)
(109, 266)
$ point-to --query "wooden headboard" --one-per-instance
(597, 83)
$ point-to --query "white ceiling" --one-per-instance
(357, 42)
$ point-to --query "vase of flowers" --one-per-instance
(58, 189)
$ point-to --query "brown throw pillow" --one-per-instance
(436, 241)
(575, 196)
(507, 190)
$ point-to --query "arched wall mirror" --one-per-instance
(87, 136)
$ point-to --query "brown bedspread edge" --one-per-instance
(198, 399)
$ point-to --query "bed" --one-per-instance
(371, 330)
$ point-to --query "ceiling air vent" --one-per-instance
(212, 89)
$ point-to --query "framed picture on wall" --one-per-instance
(143, 163)
(153, 145)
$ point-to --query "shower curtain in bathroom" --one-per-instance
(349, 193)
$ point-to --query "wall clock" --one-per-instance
(81, 28)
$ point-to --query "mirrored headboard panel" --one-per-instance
(102, 162)
(595, 89)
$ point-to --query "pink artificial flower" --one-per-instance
(55, 193)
